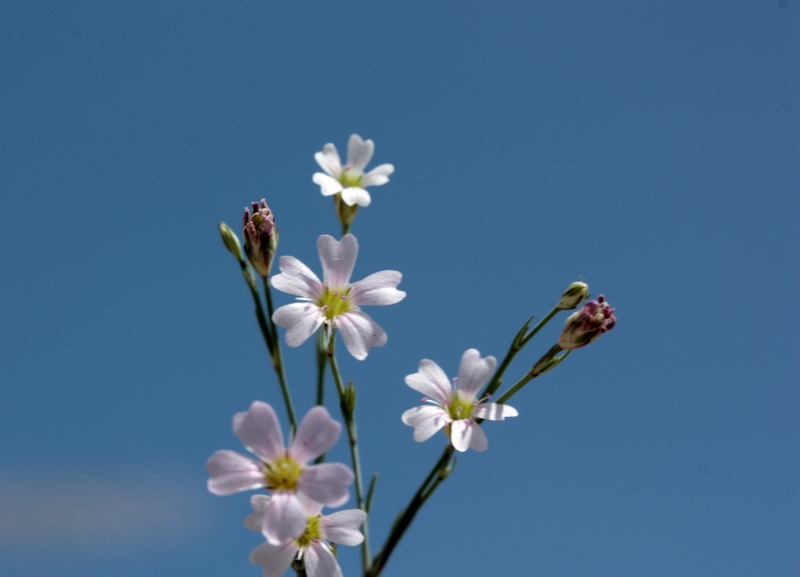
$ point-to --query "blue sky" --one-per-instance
(648, 148)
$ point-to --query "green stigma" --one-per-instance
(282, 474)
(460, 406)
(351, 178)
(334, 302)
(312, 532)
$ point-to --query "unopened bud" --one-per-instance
(349, 399)
(260, 237)
(231, 240)
(575, 294)
(586, 325)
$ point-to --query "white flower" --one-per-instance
(341, 527)
(350, 180)
(284, 472)
(334, 301)
(456, 408)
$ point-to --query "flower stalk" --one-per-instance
(347, 404)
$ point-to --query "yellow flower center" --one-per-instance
(460, 406)
(282, 474)
(312, 532)
(351, 177)
(334, 302)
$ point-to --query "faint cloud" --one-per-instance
(93, 513)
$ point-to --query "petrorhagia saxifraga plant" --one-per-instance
(296, 533)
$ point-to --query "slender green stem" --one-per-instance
(437, 474)
(322, 359)
(556, 309)
(277, 360)
(348, 414)
(345, 229)
(517, 345)
(542, 364)
(262, 320)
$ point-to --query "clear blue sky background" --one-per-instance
(650, 148)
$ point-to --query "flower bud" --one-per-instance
(260, 237)
(587, 324)
(231, 240)
(575, 294)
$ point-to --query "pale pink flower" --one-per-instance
(334, 301)
(341, 527)
(283, 471)
(350, 180)
(455, 408)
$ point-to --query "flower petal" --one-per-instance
(359, 152)
(231, 472)
(474, 371)
(285, 518)
(260, 431)
(355, 195)
(255, 520)
(301, 320)
(320, 562)
(317, 433)
(275, 559)
(327, 184)
(378, 289)
(378, 175)
(466, 434)
(326, 483)
(338, 259)
(359, 333)
(431, 381)
(328, 160)
(296, 279)
(493, 411)
(343, 527)
(426, 420)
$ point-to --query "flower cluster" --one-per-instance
(298, 482)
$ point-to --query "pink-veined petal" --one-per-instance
(426, 420)
(467, 434)
(493, 412)
(301, 320)
(338, 259)
(229, 472)
(356, 195)
(285, 518)
(327, 184)
(328, 160)
(431, 381)
(317, 433)
(260, 431)
(359, 152)
(275, 559)
(360, 333)
(377, 176)
(320, 562)
(255, 520)
(296, 279)
(326, 483)
(474, 371)
(378, 289)
(343, 527)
